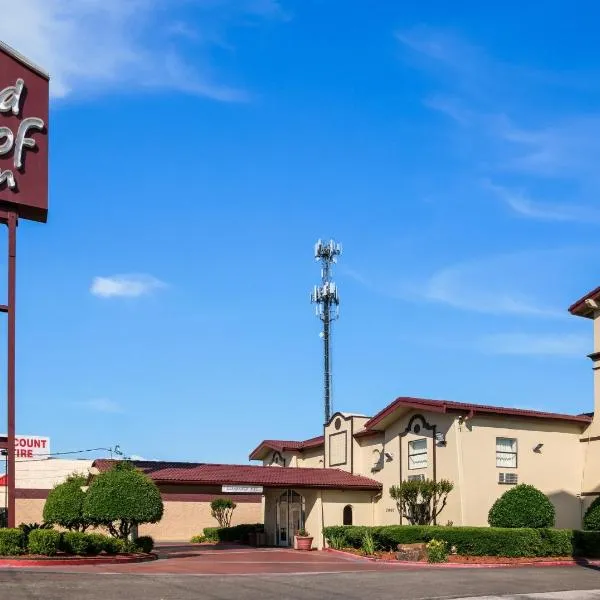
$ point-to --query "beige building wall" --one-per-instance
(556, 469)
(29, 510)
(182, 520)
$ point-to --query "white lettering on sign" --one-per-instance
(10, 102)
(242, 489)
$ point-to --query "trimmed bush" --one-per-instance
(97, 543)
(122, 498)
(144, 544)
(198, 539)
(475, 541)
(64, 505)
(113, 545)
(12, 542)
(76, 542)
(522, 506)
(586, 543)
(591, 520)
(237, 533)
(43, 541)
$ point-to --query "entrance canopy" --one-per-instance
(267, 477)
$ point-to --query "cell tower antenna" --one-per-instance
(327, 301)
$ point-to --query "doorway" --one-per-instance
(290, 517)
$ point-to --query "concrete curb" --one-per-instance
(75, 561)
(424, 565)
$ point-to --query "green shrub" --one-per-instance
(211, 534)
(368, 545)
(198, 539)
(96, 543)
(27, 528)
(64, 505)
(122, 498)
(437, 551)
(144, 544)
(12, 542)
(522, 506)
(112, 545)
(76, 542)
(591, 520)
(586, 543)
(472, 541)
(237, 533)
(43, 541)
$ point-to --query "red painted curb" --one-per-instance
(424, 565)
(82, 560)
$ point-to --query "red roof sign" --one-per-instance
(24, 100)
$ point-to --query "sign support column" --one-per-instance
(10, 375)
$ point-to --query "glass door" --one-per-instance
(290, 517)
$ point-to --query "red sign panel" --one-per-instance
(24, 93)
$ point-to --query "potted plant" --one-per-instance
(303, 540)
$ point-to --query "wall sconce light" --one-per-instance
(538, 448)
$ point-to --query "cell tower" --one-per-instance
(327, 301)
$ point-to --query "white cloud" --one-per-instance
(130, 286)
(137, 457)
(501, 112)
(103, 405)
(569, 345)
(107, 45)
(522, 204)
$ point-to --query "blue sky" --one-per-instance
(199, 149)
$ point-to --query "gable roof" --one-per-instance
(581, 308)
(282, 445)
(447, 406)
(273, 477)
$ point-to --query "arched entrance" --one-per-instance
(290, 517)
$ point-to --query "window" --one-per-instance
(506, 453)
(347, 515)
(417, 454)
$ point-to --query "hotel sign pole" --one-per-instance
(24, 104)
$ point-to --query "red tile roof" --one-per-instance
(273, 477)
(445, 406)
(3, 480)
(580, 307)
(283, 445)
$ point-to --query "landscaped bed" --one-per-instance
(43, 543)
(471, 545)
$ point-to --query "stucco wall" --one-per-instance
(29, 510)
(182, 520)
(556, 470)
(468, 459)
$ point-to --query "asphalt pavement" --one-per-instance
(572, 583)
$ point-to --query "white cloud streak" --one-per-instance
(496, 108)
(125, 286)
(100, 46)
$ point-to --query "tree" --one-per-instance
(121, 499)
(421, 501)
(522, 506)
(222, 510)
(64, 505)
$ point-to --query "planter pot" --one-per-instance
(304, 543)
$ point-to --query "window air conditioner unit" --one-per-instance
(508, 478)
